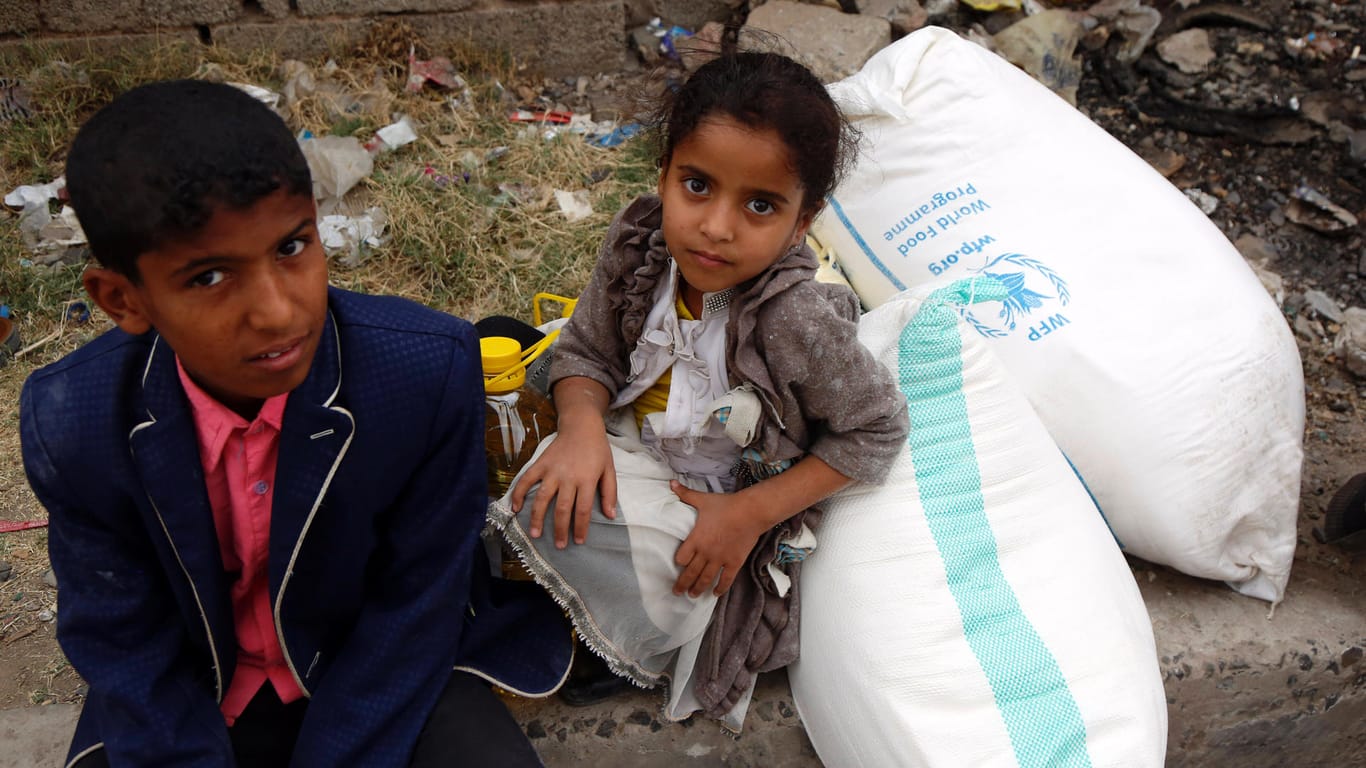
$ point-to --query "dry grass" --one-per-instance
(472, 247)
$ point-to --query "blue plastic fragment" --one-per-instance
(618, 136)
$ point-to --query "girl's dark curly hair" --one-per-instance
(763, 90)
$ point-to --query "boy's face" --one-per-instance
(242, 302)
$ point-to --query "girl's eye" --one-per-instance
(208, 278)
(293, 247)
(695, 186)
(761, 207)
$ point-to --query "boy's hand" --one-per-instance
(728, 526)
(574, 468)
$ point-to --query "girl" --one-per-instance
(710, 392)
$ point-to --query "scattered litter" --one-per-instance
(338, 102)
(51, 239)
(77, 312)
(352, 238)
(442, 181)
(264, 95)
(617, 136)
(668, 37)
(438, 71)
(993, 5)
(337, 163)
(392, 136)
(1324, 305)
(35, 195)
(540, 116)
(521, 194)
(1316, 45)
(1135, 22)
(1045, 45)
(9, 338)
(10, 526)
(1206, 202)
(574, 205)
(15, 103)
(1310, 208)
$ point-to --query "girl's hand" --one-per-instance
(730, 524)
(575, 468)
(726, 531)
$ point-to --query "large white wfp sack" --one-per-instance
(974, 610)
(1144, 342)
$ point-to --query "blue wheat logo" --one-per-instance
(1021, 300)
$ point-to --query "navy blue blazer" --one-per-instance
(377, 574)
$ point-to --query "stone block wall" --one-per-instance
(557, 37)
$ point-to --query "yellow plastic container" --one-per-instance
(517, 417)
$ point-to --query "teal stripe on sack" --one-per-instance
(863, 245)
(1040, 714)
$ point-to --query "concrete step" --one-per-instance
(1244, 688)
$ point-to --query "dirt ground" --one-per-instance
(1277, 110)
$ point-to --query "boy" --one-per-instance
(265, 495)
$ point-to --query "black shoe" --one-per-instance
(1344, 519)
(590, 681)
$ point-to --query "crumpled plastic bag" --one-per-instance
(337, 164)
(49, 238)
(352, 238)
(574, 205)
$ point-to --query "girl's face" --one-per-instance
(732, 206)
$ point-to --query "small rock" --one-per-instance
(833, 45)
(1307, 329)
(639, 717)
(1351, 656)
(1324, 305)
(50, 578)
(1350, 344)
(1206, 202)
(1255, 250)
(646, 45)
(45, 616)
(606, 728)
(1272, 282)
(6, 570)
(1189, 50)
(1311, 208)
(534, 730)
(1165, 161)
(765, 711)
(905, 16)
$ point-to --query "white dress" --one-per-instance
(618, 585)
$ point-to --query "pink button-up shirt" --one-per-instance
(239, 473)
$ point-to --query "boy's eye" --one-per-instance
(695, 186)
(293, 247)
(761, 207)
(207, 278)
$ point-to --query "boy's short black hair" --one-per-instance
(156, 162)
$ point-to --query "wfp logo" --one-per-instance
(1034, 293)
